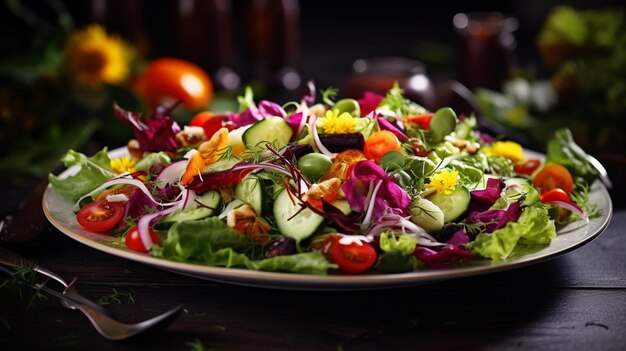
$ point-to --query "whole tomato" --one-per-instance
(169, 80)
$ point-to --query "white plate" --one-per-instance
(58, 210)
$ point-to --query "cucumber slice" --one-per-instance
(453, 205)
(211, 199)
(299, 227)
(426, 214)
(344, 206)
(250, 190)
(273, 130)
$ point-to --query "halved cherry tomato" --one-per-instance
(133, 240)
(127, 190)
(380, 143)
(173, 79)
(201, 118)
(557, 194)
(527, 167)
(553, 176)
(100, 216)
(423, 121)
(356, 257)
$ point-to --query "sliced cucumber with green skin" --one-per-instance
(273, 130)
(250, 190)
(211, 200)
(453, 205)
(209, 203)
(299, 227)
(426, 214)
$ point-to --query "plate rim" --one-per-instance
(297, 281)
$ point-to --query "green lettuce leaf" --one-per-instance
(562, 149)
(93, 172)
(212, 242)
(152, 159)
(533, 229)
(390, 242)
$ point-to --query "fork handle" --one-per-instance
(13, 261)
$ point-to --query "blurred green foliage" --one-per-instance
(585, 53)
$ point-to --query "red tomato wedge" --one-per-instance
(423, 121)
(555, 195)
(527, 167)
(354, 257)
(201, 118)
(100, 216)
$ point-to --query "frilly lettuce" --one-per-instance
(93, 172)
(402, 242)
(533, 228)
(212, 242)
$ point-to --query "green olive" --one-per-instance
(314, 165)
(348, 105)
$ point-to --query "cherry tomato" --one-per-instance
(423, 121)
(527, 167)
(342, 164)
(201, 118)
(100, 216)
(380, 143)
(354, 257)
(173, 79)
(557, 194)
(133, 240)
(127, 190)
(553, 176)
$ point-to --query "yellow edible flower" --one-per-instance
(508, 149)
(123, 164)
(333, 123)
(93, 57)
(444, 181)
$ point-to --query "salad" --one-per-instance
(375, 185)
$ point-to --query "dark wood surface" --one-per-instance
(574, 302)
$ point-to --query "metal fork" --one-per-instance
(99, 317)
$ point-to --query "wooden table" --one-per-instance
(574, 302)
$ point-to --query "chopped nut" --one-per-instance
(190, 136)
(245, 220)
(133, 149)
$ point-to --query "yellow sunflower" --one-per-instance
(94, 57)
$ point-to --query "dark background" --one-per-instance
(329, 35)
